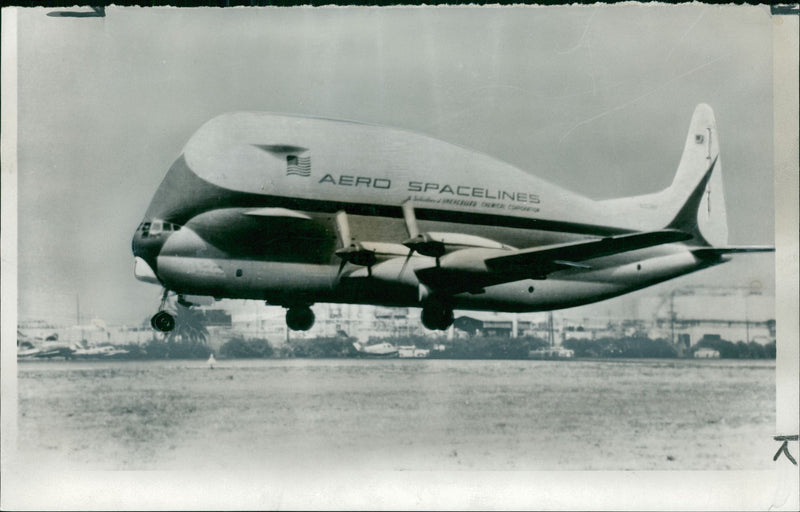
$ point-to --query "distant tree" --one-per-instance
(497, 347)
(134, 351)
(323, 348)
(165, 349)
(758, 350)
(726, 349)
(156, 348)
(583, 348)
(751, 350)
(190, 350)
(627, 347)
(188, 340)
(238, 347)
(769, 350)
(188, 327)
(643, 347)
(418, 341)
(284, 352)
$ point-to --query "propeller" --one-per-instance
(421, 243)
(410, 221)
(351, 251)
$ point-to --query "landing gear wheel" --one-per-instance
(437, 317)
(299, 319)
(163, 321)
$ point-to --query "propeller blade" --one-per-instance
(341, 267)
(405, 262)
(343, 228)
(410, 219)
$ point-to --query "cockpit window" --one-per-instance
(156, 227)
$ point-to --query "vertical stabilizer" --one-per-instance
(695, 201)
(697, 187)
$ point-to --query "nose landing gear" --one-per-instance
(163, 321)
(299, 318)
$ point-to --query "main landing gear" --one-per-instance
(299, 318)
(437, 316)
(163, 321)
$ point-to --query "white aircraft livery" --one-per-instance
(295, 210)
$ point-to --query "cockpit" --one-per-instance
(156, 228)
(150, 236)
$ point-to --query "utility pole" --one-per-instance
(747, 316)
(78, 314)
(672, 316)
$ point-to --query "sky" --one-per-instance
(596, 99)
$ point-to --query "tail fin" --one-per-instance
(697, 187)
(695, 201)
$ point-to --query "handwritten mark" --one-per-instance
(785, 448)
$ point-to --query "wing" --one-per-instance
(565, 255)
(470, 270)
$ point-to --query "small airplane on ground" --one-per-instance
(384, 349)
(74, 351)
(28, 347)
(27, 350)
(98, 352)
(297, 210)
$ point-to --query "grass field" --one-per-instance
(399, 414)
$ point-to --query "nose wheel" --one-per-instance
(299, 318)
(163, 321)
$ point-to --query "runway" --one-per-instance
(398, 414)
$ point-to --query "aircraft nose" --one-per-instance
(141, 245)
(147, 242)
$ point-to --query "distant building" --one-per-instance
(498, 328)
(499, 325)
(216, 317)
(468, 325)
(687, 315)
(363, 322)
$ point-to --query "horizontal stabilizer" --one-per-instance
(716, 252)
(565, 255)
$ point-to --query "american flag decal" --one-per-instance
(298, 166)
